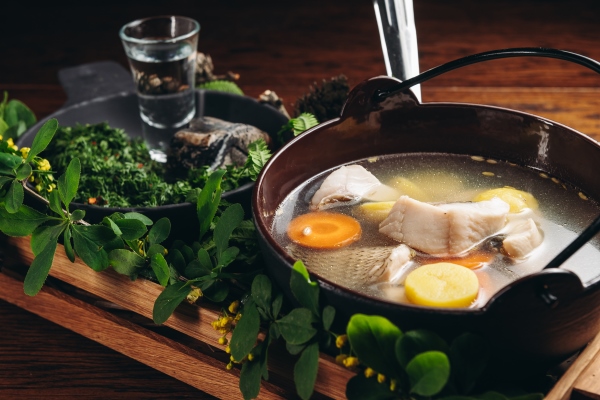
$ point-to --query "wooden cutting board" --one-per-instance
(170, 355)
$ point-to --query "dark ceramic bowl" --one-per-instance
(546, 316)
(103, 92)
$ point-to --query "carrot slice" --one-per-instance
(472, 261)
(324, 230)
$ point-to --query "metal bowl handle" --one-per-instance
(487, 56)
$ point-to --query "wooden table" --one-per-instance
(286, 48)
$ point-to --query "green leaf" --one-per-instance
(14, 197)
(9, 162)
(303, 122)
(39, 269)
(277, 303)
(16, 112)
(115, 228)
(418, 341)
(258, 155)
(97, 233)
(160, 231)
(168, 300)
(176, 260)
(155, 249)
(89, 249)
(261, 292)
(305, 371)
(3, 125)
(252, 372)
(4, 180)
(44, 235)
(131, 229)
(296, 327)
(23, 172)
(229, 220)
(195, 269)
(373, 339)
(68, 244)
(245, 332)
(54, 203)
(428, 373)
(294, 349)
(140, 217)
(328, 317)
(68, 183)
(221, 86)
(160, 268)
(217, 292)
(42, 138)
(227, 257)
(208, 201)
(124, 261)
(305, 291)
(21, 223)
(204, 259)
(361, 388)
(77, 215)
(469, 355)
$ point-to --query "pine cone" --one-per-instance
(326, 101)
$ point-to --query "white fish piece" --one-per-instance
(472, 222)
(444, 229)
(420, 225)
(394, 265)
(523, 239)
(350, 184)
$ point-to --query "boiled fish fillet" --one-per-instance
(522, 239)
(348, 185)
(444, 229)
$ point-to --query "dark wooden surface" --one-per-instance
(284, 47)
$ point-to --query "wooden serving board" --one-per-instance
(92, 304)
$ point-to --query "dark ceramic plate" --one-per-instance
(104, 92)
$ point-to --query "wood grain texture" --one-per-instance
(284, 47)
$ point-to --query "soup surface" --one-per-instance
(558, 210)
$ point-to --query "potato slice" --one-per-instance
(517, 199)
(442, 285)
(375, 211)
(408, 188)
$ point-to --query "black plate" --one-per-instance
(104, 92)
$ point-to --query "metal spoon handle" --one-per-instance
(398, 34)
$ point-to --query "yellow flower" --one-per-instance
(25, 151)
(0, 137)
(340, 341)
(49, 189)
(369, 373)
(44, 165)
(228, 350)
(222, 340)
(250, 357)
(393, 385)
(10, 142)
(194, 295)
(229, 366)
(350, 362)
(380, 378)
(339, 359)
(234, 306)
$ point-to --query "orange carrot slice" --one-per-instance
(472, 261)
(324, 230)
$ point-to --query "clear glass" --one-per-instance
(162, 56)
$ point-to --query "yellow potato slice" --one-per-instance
(409, 188)
(517, 199)
(442, 285)
(375, 211)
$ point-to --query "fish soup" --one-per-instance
(434, 230)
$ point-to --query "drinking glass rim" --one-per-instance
(125, 37)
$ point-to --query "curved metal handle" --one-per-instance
(487, 56)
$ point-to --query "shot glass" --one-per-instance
(162, 56)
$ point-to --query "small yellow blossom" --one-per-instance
(229, 366)
(350, 362)
(31, 178)
(228, 350)
(222, 340)
(250, 357)
(393, 384)
(237, 317)
(369, 373)
(25, 151)
(380, 378)
(234, 306)
(339, 359)
(44, 165)
(0, 137)
(340, 341)
(49, 189)
(38, 188)
(194, 295)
